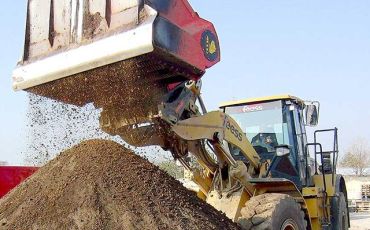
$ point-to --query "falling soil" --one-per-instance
(63, 112)
(98, 184)
(54, 126)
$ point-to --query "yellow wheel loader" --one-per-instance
(141, 62)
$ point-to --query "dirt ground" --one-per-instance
(98, 184)
(360, 221)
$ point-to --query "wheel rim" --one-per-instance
(289, 224)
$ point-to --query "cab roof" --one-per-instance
(262, 99)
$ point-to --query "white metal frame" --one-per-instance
(102, 52)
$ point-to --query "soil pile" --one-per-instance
(99, 184)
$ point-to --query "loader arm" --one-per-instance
(220, 129)
(180, 118)
(182, 128)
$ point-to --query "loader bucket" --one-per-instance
(82, 51)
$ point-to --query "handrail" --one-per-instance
(335, 150)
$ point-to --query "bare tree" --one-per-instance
(357, 157)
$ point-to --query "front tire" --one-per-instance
(272, 211)
(339, 212)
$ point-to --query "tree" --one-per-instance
(357, 157)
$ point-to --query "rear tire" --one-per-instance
(339, 213)
(272, 211)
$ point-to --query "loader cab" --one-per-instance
(275, 122)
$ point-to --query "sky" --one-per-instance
(316, 50)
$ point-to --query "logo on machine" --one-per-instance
(209, 45)
(252, 108)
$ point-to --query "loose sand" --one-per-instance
(98, 184)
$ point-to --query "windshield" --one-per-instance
(262, 123)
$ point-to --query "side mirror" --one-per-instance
(282, 150)
(312, 113)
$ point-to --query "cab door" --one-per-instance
(301, 137)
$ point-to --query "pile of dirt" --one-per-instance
(98, 184)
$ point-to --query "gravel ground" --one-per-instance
(360, 221)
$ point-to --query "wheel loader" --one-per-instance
(141, 63)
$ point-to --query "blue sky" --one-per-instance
(317, 50)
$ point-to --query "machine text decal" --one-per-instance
(234, 130)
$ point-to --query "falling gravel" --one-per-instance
(98, 184)
(54, 126)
